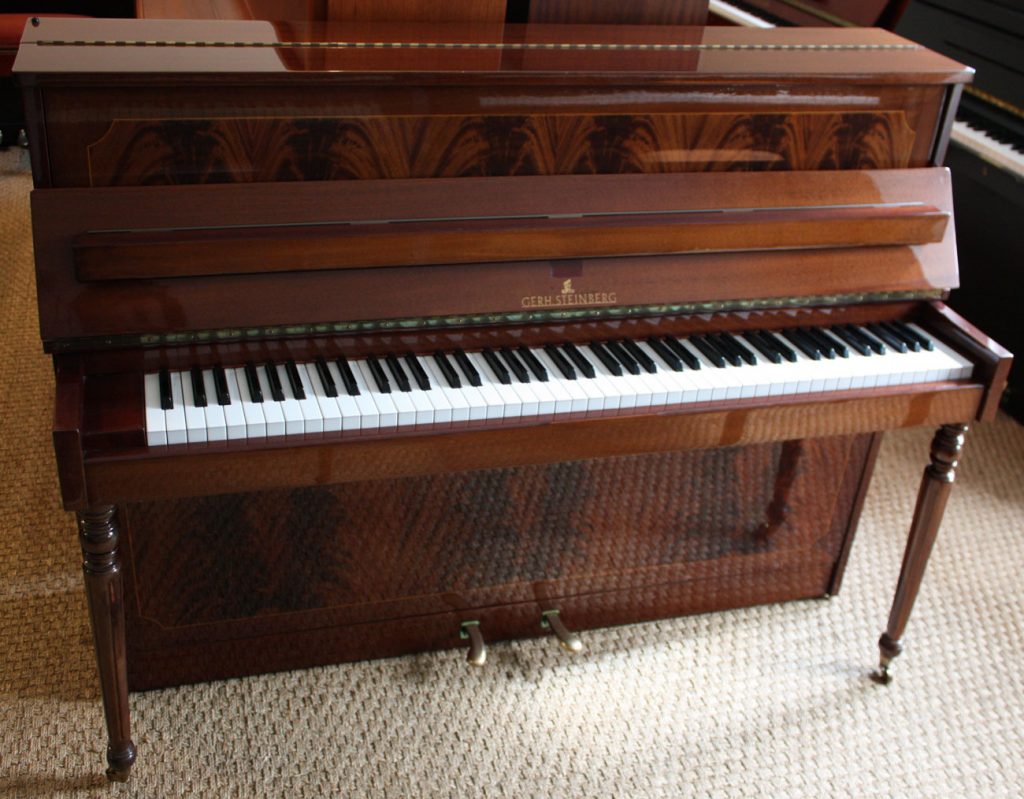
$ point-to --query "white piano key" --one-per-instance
(467, 403)
(216, 424)
(500, 404)
(351, 411)
(312, 416)
(369, 413)
(234, 418)
(408, 411)
(195, 418)
(615, 394)
(387, 412)
(434, 398)
(156, 431)
(294, 421)
(273, 411)
(174, 419)
(572, 395)
(329, 409)
(255, 421)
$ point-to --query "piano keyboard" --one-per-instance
(257, 401)
(737, 16)
(1007, 154)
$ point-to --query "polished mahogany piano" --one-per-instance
(375, 339)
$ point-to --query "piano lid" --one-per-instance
(591, 52)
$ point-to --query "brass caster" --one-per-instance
(568, 640)
(882, 675)
(477, 654)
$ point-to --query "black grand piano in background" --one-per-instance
(986, 152)
(986, 156)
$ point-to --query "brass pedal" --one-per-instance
(477, 655)
(569, 641)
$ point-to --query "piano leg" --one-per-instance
(101, 563)
(931, 502)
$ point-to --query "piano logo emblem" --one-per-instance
(569, 296)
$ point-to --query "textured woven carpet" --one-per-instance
(766, 702)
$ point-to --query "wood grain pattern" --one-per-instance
(232, 567)
(616, 12)
(259, 150)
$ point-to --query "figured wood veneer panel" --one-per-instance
(160, 152)
(481, 538)
(244, 584)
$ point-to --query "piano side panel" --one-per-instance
(325, 574)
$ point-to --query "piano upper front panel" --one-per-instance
(78, 304)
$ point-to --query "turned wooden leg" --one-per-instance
(931, 502)
(101, 564)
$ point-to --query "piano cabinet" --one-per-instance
(192, 209)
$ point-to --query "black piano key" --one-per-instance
(639, 355)
(891, 341)
(446, 369)
(911, 342)
(347, 378)
(472, 375)
(381, 379)
(397, 372)
(837, 346)
(418, 372)
(869, 341)
(326, 378)
(294, 380)
(166, 395)
(802, 343)
(671, 360)
(824, 347)
(560, 362)
(737, 347)
(618, 352)
(532, 363)
(252, 380)
(606, 358)
(276, 390)
(762, 346)
(907, 330)
(724, 346)
(781, 346)
(220, 383)
(684, 354)
(851, 340)
(710, 351)
(577, 357)
(198, 387)
(522, 375)
(829, 346)
(496, 366)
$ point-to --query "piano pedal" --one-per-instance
(477, 655)
(568, 640)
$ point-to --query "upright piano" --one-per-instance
(375, 339)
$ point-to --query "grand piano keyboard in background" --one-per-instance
(260, 400)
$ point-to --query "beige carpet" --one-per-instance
(767, 702)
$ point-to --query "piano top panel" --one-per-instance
(135, 50)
